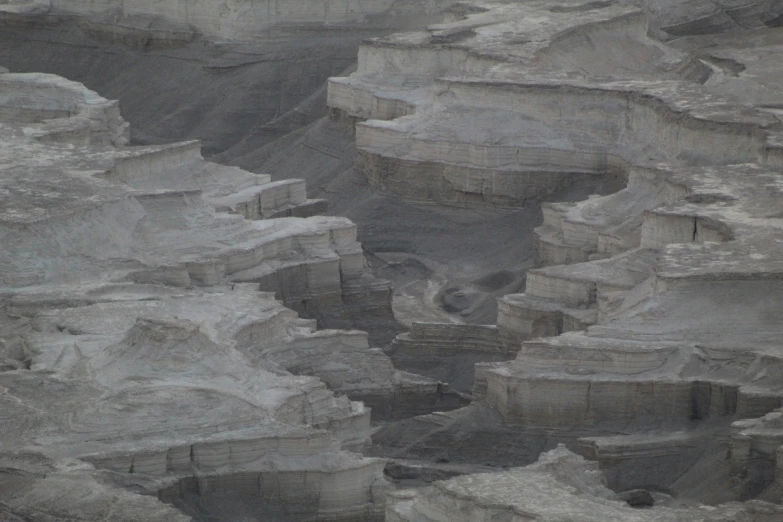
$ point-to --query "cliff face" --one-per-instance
(560, 486)
(177, 332)
(649, 317)
(141, 339)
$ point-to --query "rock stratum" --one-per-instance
(142, 348)
(560, 486)
(647, 334)
(186, 340)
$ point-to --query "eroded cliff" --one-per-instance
(159, 335)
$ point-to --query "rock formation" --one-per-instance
(180, 338)
(139, 345)
(560, 486)
(650, 320)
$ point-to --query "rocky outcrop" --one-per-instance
(158, 312)
(652, 346)
(167, 402)
(53, 109)
(346, 363)
(448, 352)
(37, 489)
(138, 342)
(560, 485)
(162, 215)
(646, 326)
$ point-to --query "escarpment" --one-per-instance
(142, 335)
(639, 339)
(526, 266)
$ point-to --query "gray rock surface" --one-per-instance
(560, 486)
(139, 351)
(158, 312)
(634, 293)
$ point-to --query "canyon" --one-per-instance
(400, 261)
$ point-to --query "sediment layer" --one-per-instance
(650, 310)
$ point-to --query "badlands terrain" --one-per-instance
(414, 261)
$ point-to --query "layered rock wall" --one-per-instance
(559, 485)
(138, 343)
(448, 352)
(652, 307)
